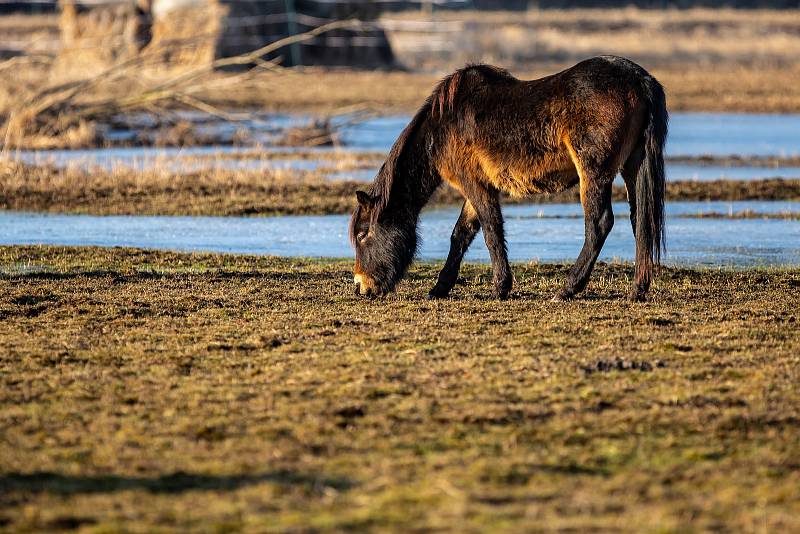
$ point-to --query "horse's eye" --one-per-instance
(360, 237)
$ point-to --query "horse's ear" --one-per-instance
(365, 199)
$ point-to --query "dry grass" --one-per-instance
(219, 192)
(144, 391)
(719, 60)
(714, 88)
(34, 34)
(656, 38)
(276, 192)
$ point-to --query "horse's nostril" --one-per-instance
(358, 288)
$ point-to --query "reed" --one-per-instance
(59, 110)
(206, 189)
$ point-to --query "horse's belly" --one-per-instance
(520, 181)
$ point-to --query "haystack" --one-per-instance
(188, 32)
(94, 37)
(196, 32)
(226, 28)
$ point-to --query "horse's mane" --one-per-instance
(382, 187)
(440, 104)
(443, 99)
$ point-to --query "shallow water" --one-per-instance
(530, 234)
(704, 173)
(691, 134)
(181, 162)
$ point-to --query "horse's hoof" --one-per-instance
(438, 293)
(501, 295)
(637, 296)
(561, 296)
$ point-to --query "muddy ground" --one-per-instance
(147, 390)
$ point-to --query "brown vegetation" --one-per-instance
(218, 192)
(153, 391)
(707, 60)
(55, 111)
(277, 192)
(98, 37)
(684, 38)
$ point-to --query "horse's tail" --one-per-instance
(650, 187)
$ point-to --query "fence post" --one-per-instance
(291, 24)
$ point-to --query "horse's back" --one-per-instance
(519, 134)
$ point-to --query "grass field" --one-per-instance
(146, 391)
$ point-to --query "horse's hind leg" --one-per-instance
(598, 221)
(595, 187)
(629, 172)
(464, 232)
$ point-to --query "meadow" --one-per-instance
(161, 391)
(156, 391)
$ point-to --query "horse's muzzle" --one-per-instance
(365, 286)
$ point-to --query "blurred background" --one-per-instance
(383, 56)
(285, 107)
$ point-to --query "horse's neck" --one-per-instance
(415, 180)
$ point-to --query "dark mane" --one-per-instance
(382, 186)
(443, 99)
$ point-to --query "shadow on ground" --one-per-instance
(45, 482)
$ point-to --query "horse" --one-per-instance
(485, 132)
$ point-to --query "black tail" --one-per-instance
(650, 188)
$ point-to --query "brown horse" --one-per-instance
(485, 132)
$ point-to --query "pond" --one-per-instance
(535, 233)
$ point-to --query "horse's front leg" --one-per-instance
(464, 232)
(486, 203)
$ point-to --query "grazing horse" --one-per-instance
(485, 132)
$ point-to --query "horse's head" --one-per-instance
(385, 245)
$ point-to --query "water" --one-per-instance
(691, 134)
(718, 134)
(704, 173)
(745, 134)
(531, 236)
(181, 161)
